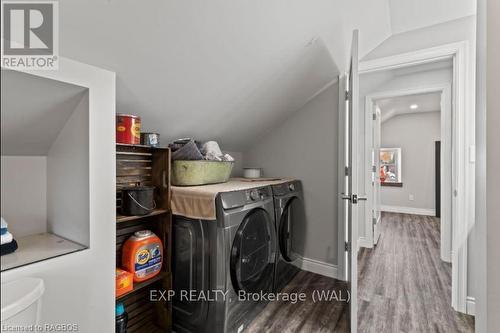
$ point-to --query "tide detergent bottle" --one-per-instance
(143, 255)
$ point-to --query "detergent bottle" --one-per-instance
(143, 255)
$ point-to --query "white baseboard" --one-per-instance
(470, 306)
(363, 242)
(408, 210)
(316, 266)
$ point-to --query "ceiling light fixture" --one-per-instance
(414, 106)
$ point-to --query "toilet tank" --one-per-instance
(21, 302)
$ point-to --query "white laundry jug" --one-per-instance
(21, 302)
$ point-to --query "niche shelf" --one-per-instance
(45, 181)
(39, 247)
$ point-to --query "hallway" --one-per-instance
(403, 284)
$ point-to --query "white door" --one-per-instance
(376, 215)
(348, 180)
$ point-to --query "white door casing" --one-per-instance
(463, 146)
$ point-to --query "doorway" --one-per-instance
(380, 108)
(412, 248)
(462, 92)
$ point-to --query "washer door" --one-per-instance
(291, 221)
(253, 253)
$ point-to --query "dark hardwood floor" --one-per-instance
(403, 284)
(308, 316)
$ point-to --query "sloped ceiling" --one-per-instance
(409, 15)
(225, 70)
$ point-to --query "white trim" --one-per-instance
(408, 210)
(417, 57)
(471, 305)
(364, 242)
(316, 266)
(464, 114)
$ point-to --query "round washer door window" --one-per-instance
(253, 253)
(292, 220)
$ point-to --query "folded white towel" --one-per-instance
(4, 224)
(6, 238)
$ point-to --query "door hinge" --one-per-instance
(374, 116)
(347, 246)
(374, 220)
(347, 171)
(347, 95)
(374, 168)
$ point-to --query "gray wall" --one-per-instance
(305, 147)
(487, 227)
(415, 134)
(479, 279)
(493, 165)
(238, 163)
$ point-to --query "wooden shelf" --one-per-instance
(139, 165)
(138, 146)
(124, 218)
(140, 285)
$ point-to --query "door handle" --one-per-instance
(354, 198)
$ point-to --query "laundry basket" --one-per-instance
(191, 173)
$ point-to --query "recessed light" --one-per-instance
(414, 106)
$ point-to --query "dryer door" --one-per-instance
(253, 253)
(290, 229)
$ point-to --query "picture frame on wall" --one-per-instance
(390, 167)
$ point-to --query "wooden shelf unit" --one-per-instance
(146, 166)
(124, 218)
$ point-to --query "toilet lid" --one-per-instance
(19, 294)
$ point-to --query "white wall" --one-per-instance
(24, 189)
(415, 134)
(427, 37)
(68, 178)
(409, 14)
(305, 147)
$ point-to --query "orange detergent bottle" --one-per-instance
(142, 255)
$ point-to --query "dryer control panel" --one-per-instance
(242, 198)
(257, 194)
